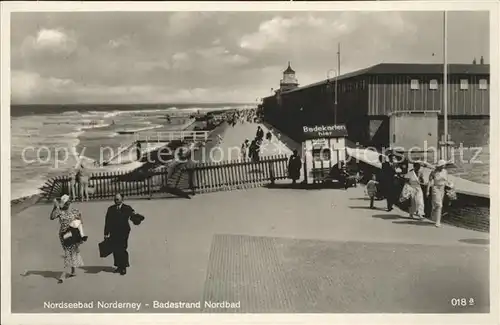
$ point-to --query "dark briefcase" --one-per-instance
(105, 248)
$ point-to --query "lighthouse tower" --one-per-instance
(289, 80)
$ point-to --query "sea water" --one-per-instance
(48, 143)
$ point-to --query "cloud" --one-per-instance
(217, 56)
(233, 56)
(50, 40)
(26, 85)
(120, 42)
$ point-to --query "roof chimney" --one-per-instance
(474, 61)
(482, 60)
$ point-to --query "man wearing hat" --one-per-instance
(117, 229)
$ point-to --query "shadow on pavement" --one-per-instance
(97, 269)
(415, 223)
(46, 274)
(390, 217)
(475, 241)
(287, 186)
(300, 186)
(365, 207)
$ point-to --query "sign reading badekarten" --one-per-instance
(324, 131)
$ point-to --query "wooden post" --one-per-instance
(190, 171)
(148, 178)
(271, 172)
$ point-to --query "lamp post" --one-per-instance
(445, 84)
(335, 72)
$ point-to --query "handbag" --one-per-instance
(105, 248)
(449, 191)
(72, 237)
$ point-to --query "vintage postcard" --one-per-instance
(263, 163)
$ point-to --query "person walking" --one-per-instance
(294, 166)
(72, 184)
(438, 179)
(258, 145)
(117, 230)
(387, 176)
(252, 150)
(244, 149)
(72, 259)
(415, 179)
(371, 190)
(84, 182)
(344, 175)
(260, 133)
(269, 136)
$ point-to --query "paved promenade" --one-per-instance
(274, 250)
(233, 137)
(270, 249)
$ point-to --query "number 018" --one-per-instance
(462, 302)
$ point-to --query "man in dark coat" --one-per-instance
(294, 166)
(269, 136)
(117, 229)
(260, 133)
(387, 180)
(252, 150)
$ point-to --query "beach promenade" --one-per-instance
(233, 137)
(270, 249)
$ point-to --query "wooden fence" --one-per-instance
(176, 178)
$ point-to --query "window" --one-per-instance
(414, 84)
(483, 84)
(464, 84)
(433, 84)
(321, 154)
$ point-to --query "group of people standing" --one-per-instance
(71, 233)
(390, 176)
(251, 150)
(240, 117)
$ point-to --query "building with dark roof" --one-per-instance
(366, 97)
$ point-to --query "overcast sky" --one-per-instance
(139, 57)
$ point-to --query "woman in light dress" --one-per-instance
(68, 218)
(84, 182)
(436, 187)
(415, 179)
(72, 184)
(244, 149)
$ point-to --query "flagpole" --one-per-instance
(445, 85)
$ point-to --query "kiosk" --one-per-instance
(323, 148)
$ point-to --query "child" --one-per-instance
(75, 233)
(344, 175)
(371, 189)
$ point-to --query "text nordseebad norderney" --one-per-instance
(139, 305)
